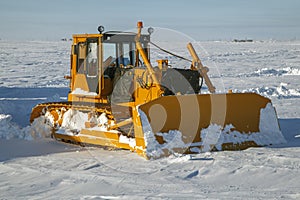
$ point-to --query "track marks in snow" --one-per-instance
(92, 166)
(260, 172)
(191, 175)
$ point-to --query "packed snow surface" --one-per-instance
(30, 168)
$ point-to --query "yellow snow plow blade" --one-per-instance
(184, 124)
(197, 123)
(190, 113)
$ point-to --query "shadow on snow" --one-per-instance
(18, 102)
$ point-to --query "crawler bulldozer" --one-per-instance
(119, 99)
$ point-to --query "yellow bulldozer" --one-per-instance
(118, 99)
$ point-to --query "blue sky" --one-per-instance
(200, 19)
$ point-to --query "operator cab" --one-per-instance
(121, 47)
(98, 60)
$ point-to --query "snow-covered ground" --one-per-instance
(32, 72)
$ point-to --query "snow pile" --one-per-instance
(10, 130)
(74, 119)
(153, 147)
(73, 122)
(172, 139)
(127, 140)
(276, 72)
(210, 137)
(79, 91)
(39, 128)
(269, 132)
(101, 120)
(7, 128)
(281, 92)
(214, 135)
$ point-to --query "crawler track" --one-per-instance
(42, 108)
